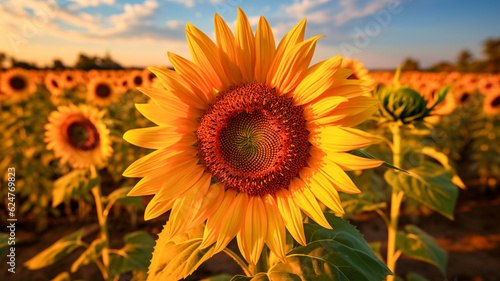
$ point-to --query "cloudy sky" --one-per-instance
(381, 33)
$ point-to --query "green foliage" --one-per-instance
(73, 184)
(56, 251)
(415, 277)
(120, 196)
(429, 184)
(91, 254)
(135, 255)
(364, 154)
(421, 246)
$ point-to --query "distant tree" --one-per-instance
(492, 52)
(85, 62)
(478, 66)
(22, 64)
(108, 63)
(3, 57)
(463, 61)
(442, 67)
(58, 64)
(410, 64)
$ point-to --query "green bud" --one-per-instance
(401, 104)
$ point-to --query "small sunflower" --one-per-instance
(101, 92)
(78, 136)
(492, 103)
(54, 83)
(135, 79)
(16, 84)
(249, 135)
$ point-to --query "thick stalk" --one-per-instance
(396, 198)
(96, 191)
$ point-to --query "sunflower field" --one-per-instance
(247, 162)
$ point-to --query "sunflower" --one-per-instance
(492, 103)
(54, 83)
(78, 136)
(136, 79)
(249, 135)
(16, 84)
(101, 92)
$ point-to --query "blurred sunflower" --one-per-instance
(78, 136)
(101, 92)
(249, 135)
(16, 84)
(54, 83)
(358, 71)
(492, 103)
(135, 79)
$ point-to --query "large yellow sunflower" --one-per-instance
(78, 136)
(249, 135)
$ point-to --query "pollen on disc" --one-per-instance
(253, 140)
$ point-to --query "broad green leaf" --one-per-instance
(72, 184)
(415, 277)
(177, 258)
(429, 184)
(64, 276)
(56, 251)
(120, 196)
(376, 248)
(4, 244)
(421, 246)
(221, 277)
(443, 159)
(135, 255)
(90, 254)
(364, 154)
(340, 253)
(257, 277)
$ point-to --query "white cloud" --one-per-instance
(93, 3)
(187, 3)
(303, 9)
(172, 24)
(352, 11)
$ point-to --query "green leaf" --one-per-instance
(4, 244)
(376, 248)
(177, 258)
(64, 276)
(429, 184)
(56, 251)
(361, 202)
(120, 196)
(220, 277)
(340, 253)
(135, 255)
(90, 254)
(257, 277)
(415, 277)
(441, 95)
(364, 154)
(421, 246)
(72, 184)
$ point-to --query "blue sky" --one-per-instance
(381, 33)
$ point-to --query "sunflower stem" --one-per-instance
(239, 261)
(96, 191)
(396, 198)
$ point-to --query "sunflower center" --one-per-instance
(83, 135)
(103, 90)
(17, 83)
(253, 140)
(465, 97)
(353, 76)
(496, 102)
(54, 83)
(138, 80)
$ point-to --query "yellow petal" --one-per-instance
(181, 178)
(157, 137)
(276, 232)
(349, 162)
(160, 116)
(337, 139)
(317, 80)
(157, 160)
(246, 46)
(264, 50)
(253, 232)
(307, 202)
(193, 74)
(205, 54)
(291, 215)
(322, 189)
(174, 83)
(293, 67)
(229, 53)
(213, 227)
(171, 103)
(321, 107)
(340, 180)
(158, 206)
(232, 222)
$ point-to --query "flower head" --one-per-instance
(249, 135)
